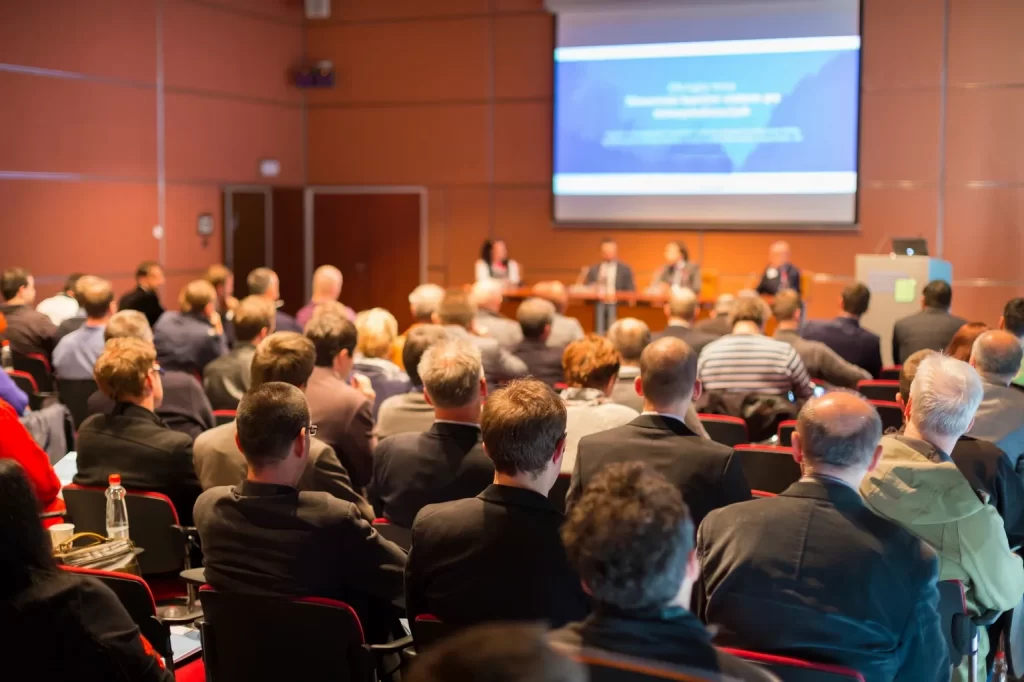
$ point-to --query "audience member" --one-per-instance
(222, 280)
(564, 330)
(457, 313)
(228, 377)
(496, 652)
(75, 355)
(843, 585)
(265, 282)
(377, 330)
(718, 324)
(544, 362)
(28, 330)
(591, 369)
(263, 536)
(681, 312)
(64, 304)
(748, 362)
(131, 440)
(410, 412)
(446, 462)
(630, 537)
(705, 472)
(486, 296)
(498, 556)
(932, 327)
(821, 361)
(1013, 322)
(59, 625)
(191, 339)
(629, 336)
(342, 412)
(327, 283)
(1000, 416)
(11, 395)
(845, 336)
(145, 297)
(962, 343)
(423, 303)
(916, 485)
(284, 357)
(16, 444)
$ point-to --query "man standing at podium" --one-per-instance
(780, 273)
(610, 276)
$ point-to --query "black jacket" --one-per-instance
(543, 362)
(412, 470)
(772, 285)
(672, 636)
(496, 556)
(146, 302)
(72, 627)
(186, 342)
(930, 328)
(185, 408)
(28, 330)
(624, 280)
(705, 472)
(849, 340)
(132, 441)
(815, 574)
(988, 469)
(694, 338)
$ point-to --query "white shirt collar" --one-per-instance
(662, 414)
(451, 421)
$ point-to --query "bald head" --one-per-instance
(553, 291)
(839, 430)
(327, 281)
(668, 373)
(682, 305)
(630, 336)
(778, 254)
(486, 295)
(997, 354)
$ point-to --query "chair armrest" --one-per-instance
(394, 647)
(987, 618)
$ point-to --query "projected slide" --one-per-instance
(760, 130)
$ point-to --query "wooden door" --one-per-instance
(246, 217)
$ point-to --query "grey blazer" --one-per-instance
(503, 330)
(1000, 419)
(499, 364)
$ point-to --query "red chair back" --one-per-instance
(785, 434)
(891, 373)
(885, 389)
(797, 670)
(768, 468)
(731, 431)
(223, 416)
(24, 381)
(890, 412)
(38, 366)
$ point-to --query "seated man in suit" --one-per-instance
(1000, 417)
(343, 412)
(282, 357)
(630, 537)
(845, 336)
(74, 357)
(780, 273)
(497, 556)
(447, 462)
(821, 361)
(843, 585)
(410, 412)
(184, 407)
(718, 324)
(191, 339)
(706, 473)
(265, 537)
(1013, 322)
(542, 361)
(145, 297)
(564, 330)
(376, 331)
(456, 313)
(681, 311)
(265, 282)
(130, 439)
(227, 378)
(918, 486)
(327, 283)
(423, 303)
(629, 336)
(932, 327)
(487, 297)
(28, 330)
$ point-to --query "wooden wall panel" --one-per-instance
(985, 124)
(984, 42)
(289, 11)
(984, 237)
(184, 248)
(522, 147)
(519, 5)
(895, 57)
(900, 133)
(375, 10)
(523, 48)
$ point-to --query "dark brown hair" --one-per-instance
(521, 426)
(283, 356)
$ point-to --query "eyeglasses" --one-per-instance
(158, 369)
(311, 429)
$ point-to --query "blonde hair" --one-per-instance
(196, 295)
(329, 308)
(122, 368)
(377, 330)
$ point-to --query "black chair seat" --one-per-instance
(767, 468)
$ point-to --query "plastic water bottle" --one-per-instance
(6, 359)
(117, 510)
(1000, 669)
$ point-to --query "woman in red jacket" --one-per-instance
(17, 444)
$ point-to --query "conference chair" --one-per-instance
(605, 666)
(222, 417)
(959, 628)
(38, 366)
(891, 373)
(785, 433)
(891, 414)
(27, 383)
(396, 534)
(249, 638)
(427, 630)
(731, 431)
(768, 468)
(798, 670)
(874, 389)
(75, 393)
(559, 491)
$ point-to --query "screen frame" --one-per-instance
(714, 226)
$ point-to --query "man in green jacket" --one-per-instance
(917, 485)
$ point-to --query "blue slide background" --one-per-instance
(819, 89)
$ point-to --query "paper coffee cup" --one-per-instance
(61, 533)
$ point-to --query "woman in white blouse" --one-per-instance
(494, 263)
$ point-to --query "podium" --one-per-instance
(896, 283)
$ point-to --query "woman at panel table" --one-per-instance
(494, 263)
(678, 271)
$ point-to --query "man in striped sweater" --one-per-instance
(747, 361)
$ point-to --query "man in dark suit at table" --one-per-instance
(609, 277)
(932, 327)
(145, 297)
(706, 473)
(780, 273)
(845, 336)
(841, 584)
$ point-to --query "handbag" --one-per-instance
(102, 554)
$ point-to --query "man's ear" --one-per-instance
(559, 451)
(1002, 322)
(237, 441)
(434, 318)
(698, 389)
(483, 388)
(798, 448)
(426, 397)
(875, 457)
(299, 447)
(638, 386)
